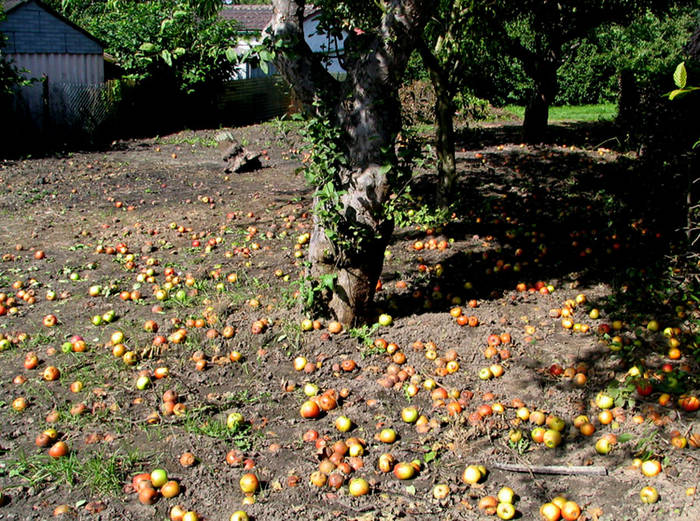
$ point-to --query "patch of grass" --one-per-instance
(35, 195)
(188, 140)
(37, 340)
(103, 472)
(201, 421)
(600, 112)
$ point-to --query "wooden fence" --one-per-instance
(254, 100)
(47, 114)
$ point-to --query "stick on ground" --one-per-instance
(554, 469)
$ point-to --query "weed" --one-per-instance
(310, 292)
(364, 334)
(192, 140)
(622, 393)
(521, 446)
(600, 112)
(36, 341)
(407, 210)
(648, 445)
(35, 195)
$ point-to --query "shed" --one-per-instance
(68, 64)
(45, 43)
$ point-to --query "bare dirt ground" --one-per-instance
(573, 217)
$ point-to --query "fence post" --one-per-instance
(45, 109)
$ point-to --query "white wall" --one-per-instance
(318, 42)
(322, 43)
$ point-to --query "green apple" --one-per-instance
(603, 446)
(505, 511)
(234, 420)
(604, 400)
(385, 319)
(485, 373)
(409, 414)
(552, 438)
(310, 389)
(506, 495)
(159, 477)
(556, 423)
(343, 423)
(307, 325)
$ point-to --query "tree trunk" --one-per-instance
(544, 74)
(445, 148)
(359, 268)
(444, 133)
(366, 111)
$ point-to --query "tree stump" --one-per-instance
(238, 158)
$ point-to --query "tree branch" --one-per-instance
(296, 62)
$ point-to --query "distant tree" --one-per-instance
(442, 50)
(540, 33)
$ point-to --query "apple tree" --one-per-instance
(9, 75)
(353, 132)
(184, 43)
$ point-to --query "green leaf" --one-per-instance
(165, 24)
(231, 54)
(264, 67)
(167, 57)
(147, 47)
(622, 438)
(179, 51)
(429, 456)
(678, 92)
(384, 169)
(680, 76)
(266, 55)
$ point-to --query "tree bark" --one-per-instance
(544, 74)
(365, 107)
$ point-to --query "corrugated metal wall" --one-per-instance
(86, 69)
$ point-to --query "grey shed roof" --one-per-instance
(33, 27)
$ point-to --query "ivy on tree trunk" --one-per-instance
(351, 226)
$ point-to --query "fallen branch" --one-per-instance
(554, 469)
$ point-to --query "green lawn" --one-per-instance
(601, 112)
